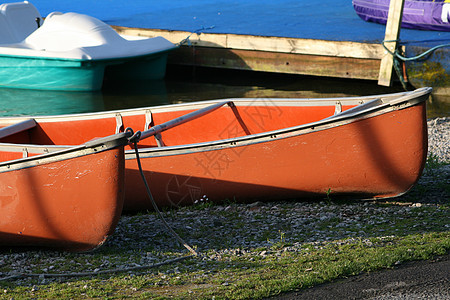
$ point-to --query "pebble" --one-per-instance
(439, 138)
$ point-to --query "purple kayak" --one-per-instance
(417, 14)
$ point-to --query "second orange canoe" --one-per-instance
(258, 149)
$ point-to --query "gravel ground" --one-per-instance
(439, 138)
(249, 230)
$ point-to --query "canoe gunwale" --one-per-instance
(351, 115)
(51, 153)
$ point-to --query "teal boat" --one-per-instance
(72, 51)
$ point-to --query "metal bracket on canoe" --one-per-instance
(148, 119)
(158, 139)
(24, 152)
(338, 107)
(149, 124)
(119, 123)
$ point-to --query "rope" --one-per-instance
(156, 207)
(398, 57)
(398, 67)
(85, 274)
(417, 57)
(134, 140)
(198, 32)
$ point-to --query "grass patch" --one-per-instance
(253, 274)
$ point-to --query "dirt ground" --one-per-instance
(412, 280)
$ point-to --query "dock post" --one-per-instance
(392, 34)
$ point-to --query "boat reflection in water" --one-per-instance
(16, 102)
(19, 102)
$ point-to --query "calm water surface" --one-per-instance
(184, 85)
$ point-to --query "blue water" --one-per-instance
(324, 19)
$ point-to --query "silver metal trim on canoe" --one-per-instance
(50, 153)
(377, 106)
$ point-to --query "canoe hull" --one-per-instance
(72, 204)
(380, 156)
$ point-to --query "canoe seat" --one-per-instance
(16, 128)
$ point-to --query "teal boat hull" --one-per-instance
(77, 75)
(50, 74)
(152, 67)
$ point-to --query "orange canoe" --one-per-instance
(258, 149)
(68, 198)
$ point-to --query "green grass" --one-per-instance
(247, 276)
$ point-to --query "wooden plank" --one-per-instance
(265, 43)
(316, 65)
(306, 46)
(392, 34)
(271, 54)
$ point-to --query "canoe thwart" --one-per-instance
(16, 128)
(116, 140)
(155, 130)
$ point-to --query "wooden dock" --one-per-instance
(339, 59)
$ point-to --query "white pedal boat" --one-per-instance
(71, 51)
